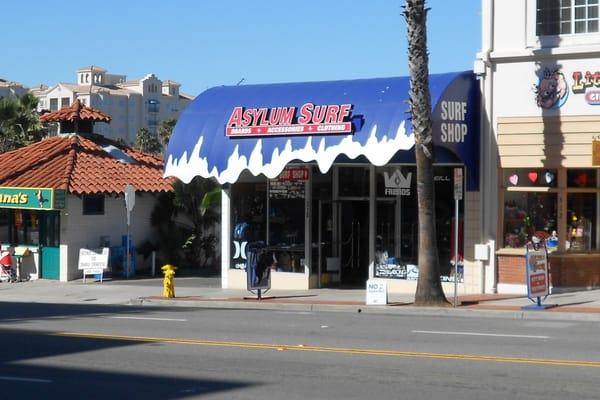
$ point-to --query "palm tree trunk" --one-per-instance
(429, 287)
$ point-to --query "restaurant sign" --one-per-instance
(32, 198)
(309, 119)
(587, 82)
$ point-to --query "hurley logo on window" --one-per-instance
(397, 184)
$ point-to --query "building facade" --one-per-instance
(133, 104)
(540, 82)
(11, 88)
(321, 176)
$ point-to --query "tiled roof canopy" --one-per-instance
(82, 166)
(76, 112)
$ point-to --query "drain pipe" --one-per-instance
(483, 67)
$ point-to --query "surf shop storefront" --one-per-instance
(324, 174)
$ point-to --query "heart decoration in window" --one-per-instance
(532, 176)
(582, 179)
(514, 179)
(549, 177)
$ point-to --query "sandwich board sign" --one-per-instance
(376, 292)
(93, 261)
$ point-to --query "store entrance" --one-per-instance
(354, 243)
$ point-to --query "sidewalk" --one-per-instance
(206, 292)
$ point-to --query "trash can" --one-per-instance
(258, 267)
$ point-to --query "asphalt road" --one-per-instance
(50, 351)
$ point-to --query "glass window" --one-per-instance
(581, 221)
(93, 205)
(53, 104)
(556, 17)
(26, 227)
(286, 223)
(397, 239)
(581, 178)
(354, 182)
(527, 214)
(529, 177)
(4, 225)
(248, 218)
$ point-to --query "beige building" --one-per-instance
(539, 66)
(133, 104)
(11, 89)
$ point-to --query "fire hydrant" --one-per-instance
(168, 282)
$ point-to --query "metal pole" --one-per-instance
(153, 263)
(455, 252)
(128, 261)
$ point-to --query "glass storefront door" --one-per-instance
(354, 246)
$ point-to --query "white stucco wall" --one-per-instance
(84, 231)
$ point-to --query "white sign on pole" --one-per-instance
(129, 199)
(458, 184)
(376, 292)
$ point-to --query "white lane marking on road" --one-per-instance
(16, 378)
(294, 312)
(484, 334)
(152, 319)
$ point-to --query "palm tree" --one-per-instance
(166, 130)
(147, 142)
(19, 122)
(429, 287)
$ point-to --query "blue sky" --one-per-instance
(218, 42)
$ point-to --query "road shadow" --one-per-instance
(22, 378)
(17, 311)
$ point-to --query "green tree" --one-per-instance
(147, 142)
(194, 199)
(183, 221)
(429, 287)
(166, 130)
(19, 122)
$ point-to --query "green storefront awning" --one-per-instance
(32, 198)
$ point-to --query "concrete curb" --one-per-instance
(379, 310)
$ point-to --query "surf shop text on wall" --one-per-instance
(277, 121)
(32, 198)
(454, 123)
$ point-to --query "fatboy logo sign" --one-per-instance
(397, 184)
(310, 119)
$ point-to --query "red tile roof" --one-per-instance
(81, 166)
(76, 111)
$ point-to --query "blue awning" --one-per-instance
(262, 128)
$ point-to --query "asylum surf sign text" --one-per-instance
(309, 119)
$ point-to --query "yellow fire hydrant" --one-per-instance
(169, 282)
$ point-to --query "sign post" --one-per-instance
(458, 195)
(129, 204)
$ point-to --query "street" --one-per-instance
(59, 351)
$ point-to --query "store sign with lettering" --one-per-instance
(293, 174)
(589, 83)
(397, 184)
(309, 119)
(32, 198)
